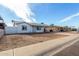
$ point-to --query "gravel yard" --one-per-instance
(19, 40)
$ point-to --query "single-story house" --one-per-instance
(24, 27)
(53, 28)
(57, 29)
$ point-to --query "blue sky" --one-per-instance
(53, 13)
(7, 14)
(50, 13)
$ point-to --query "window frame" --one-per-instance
(1, 25)
(24, 27)
(38, 28)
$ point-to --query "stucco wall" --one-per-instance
(35, 29)
(18, 29)
(10, 30)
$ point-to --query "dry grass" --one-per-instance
(14, 41)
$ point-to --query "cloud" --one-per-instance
(69, 17)
(20, 7)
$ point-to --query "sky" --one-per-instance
(62, 14)
(16, 10)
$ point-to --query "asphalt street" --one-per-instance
(72, 50)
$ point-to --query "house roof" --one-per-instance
(32, 24)
(37, 24)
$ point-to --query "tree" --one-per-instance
(52, 25)
(42, 23)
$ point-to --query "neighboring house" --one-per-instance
(53, 29)
(57, 29)
(24, 27)
(1, 27)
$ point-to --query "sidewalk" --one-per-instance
(39, 48)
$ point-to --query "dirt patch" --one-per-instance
(15, 41)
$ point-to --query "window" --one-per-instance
(24, 27)
(38, 28)
(1, 25)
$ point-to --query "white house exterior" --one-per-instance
(24, 27)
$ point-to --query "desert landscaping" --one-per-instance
(20, 40)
